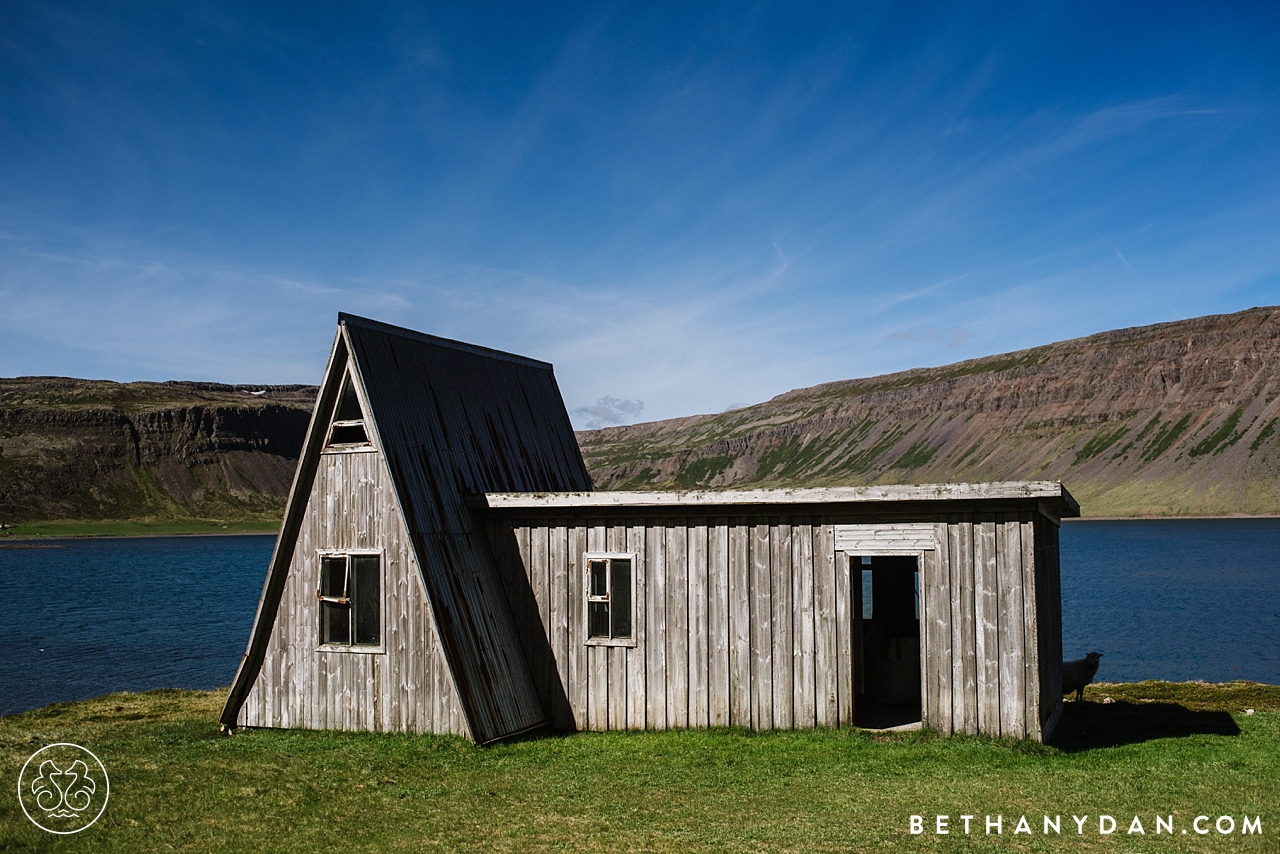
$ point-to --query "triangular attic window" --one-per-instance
(347, 428)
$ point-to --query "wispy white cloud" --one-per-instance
(607, 412)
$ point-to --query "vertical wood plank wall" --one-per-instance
(992, 645)
(747, 621)
(408, 687)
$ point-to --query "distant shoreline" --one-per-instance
(1170, 518)
(14, 535)
(80, 529)
(19, 542)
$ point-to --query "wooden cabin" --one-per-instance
(444, 567)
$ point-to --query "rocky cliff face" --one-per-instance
(81, 449)
(1172, 419)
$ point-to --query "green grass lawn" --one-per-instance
(177, 785)
(109, 528)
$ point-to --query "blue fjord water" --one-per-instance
(1166, 599)
(91, 616)
(1176, 599)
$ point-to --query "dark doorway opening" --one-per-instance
(886, 640)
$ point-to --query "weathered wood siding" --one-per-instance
(748, 620)
(988, 651)
(408, 687)
(727, 626)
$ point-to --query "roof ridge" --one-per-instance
(345, 319)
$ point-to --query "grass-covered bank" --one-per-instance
(176, 785)
(134, 528)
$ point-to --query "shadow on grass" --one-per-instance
(1087, 726)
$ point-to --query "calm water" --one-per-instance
(94, 616)
(1174, 599)
(1161, 600)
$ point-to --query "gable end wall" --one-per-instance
(408, 688)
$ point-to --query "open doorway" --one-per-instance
(886, 640)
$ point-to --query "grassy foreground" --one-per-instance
(177, 785)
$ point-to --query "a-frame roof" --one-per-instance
(451, 420)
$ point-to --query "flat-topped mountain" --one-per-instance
(92, 449)
(1170, 419)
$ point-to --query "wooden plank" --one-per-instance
(1045, 701)
(945, 651)
(677, 625)
(636, 675)
(363, 674)
(803, 714)
(964, 648)
(739, 625)
(408, 676)
(538, 569)
(761, 629)
(1030, 641)
(597, 688)
(718, 630)
(1012, 676)
(398, 616)
(271, 692)
(845, 700)
(617, 687)
(559, 615)
(656, 629)
(780, 602)
(956, 565)
(393, 675)
(699, 716)
(597, 656)
(291, 638)
(332, 697)
(938, 629)
(315, 524)
(578, 675)
(825, 652)
(617, 543)
(348, 667)
(928, 602)
(986, 591)
(289, 623)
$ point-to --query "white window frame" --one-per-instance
(587, 598)
(358, 649)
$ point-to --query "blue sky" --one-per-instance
(684, 208)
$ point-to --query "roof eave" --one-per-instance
(1051, 493)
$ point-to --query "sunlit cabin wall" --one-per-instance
(406, 686)
(747, 621)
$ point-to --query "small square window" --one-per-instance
(350, 596)
(610, 587)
